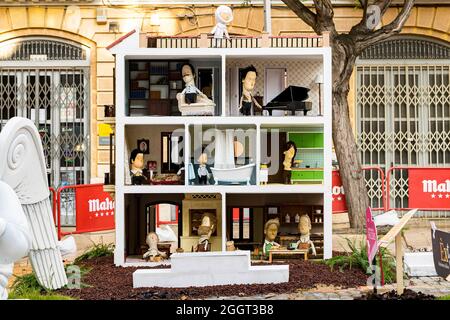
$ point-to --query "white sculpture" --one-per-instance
(15, 240)
(22, 167)
(224, 15)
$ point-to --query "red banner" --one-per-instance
(338, 196)
(429, 188)
(95, 209)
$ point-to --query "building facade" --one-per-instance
(54, 53)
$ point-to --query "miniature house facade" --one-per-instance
(211, 158)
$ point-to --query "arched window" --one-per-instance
(41, 49)
(407, 47)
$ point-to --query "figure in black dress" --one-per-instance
(248, 84)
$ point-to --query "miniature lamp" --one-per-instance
(319, 80)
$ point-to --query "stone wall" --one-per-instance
(79, 24)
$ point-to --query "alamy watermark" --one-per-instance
(373, 17)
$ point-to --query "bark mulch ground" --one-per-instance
(392, 295)
(106, 281)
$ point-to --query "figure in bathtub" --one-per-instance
(191, 101)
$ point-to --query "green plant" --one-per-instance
(25, 284)
(96, 251)
(447, 297)
(37, 295)
(357, 258)
(27, 287)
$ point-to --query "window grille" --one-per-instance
(56, 98)
(403, 117)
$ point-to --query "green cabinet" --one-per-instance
(307, 139)
(307, 176)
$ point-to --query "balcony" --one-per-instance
(263, 41)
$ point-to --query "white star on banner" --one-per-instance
(101, 214)
(447, 196)
(96, 215)
(339, 198)
(112, 213)
(440, 196)
(107, 214)
(433, 196)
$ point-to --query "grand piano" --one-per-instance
(292, 99)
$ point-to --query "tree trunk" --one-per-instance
(347, 153)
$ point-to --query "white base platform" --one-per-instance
(209, 269)
(419, 264)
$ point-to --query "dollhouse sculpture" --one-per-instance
(304, 227)
(202, 171)
(26, 218)
(224, 16)
(206, 229)
(289, 158)
(191, 101)
(137, 166)
(248, 101)
(153, 254)
(270, 231)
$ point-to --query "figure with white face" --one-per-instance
(248, 84)
(224, 16)
(190, 91)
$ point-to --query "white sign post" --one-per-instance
(395, 233)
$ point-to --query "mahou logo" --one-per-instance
(96, 205)
(434, 186)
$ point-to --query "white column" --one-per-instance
(119, 252)
(224, 221)
(267, 17)
(327, 204)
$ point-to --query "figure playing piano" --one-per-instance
(248, 84)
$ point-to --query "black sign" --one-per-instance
(441, 247)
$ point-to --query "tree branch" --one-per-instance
(365, 40)
(303, 12)
(325, 15)
(320, 21)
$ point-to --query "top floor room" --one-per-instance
(204, 76)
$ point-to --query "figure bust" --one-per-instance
(270, 231)
(191, 101)
(153, 252)
(304, 227)
(206, 229)
(136, 167)
(224, 16)
(247, 101)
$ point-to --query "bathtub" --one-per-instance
(238, 174)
